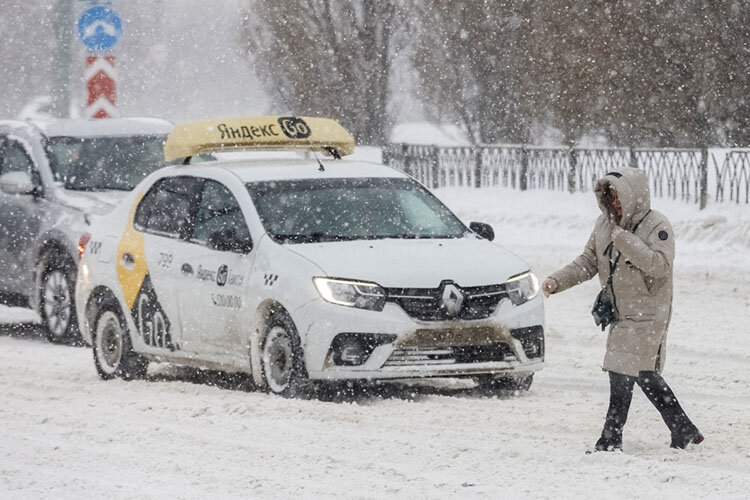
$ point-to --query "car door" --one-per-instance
(20, 220)
(214, 275)
(147, 262)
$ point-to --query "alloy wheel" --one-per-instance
(57, 303)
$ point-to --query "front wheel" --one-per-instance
(113, 351)
(281, 358)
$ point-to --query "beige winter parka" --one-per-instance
(642, 280)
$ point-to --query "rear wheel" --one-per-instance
(57, 301)
(281, 358)
(113, 351)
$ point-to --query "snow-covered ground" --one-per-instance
(66, 434)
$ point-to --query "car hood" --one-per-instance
(91, 202)
(425, 263)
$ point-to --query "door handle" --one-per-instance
(187, 268)
(128, 262)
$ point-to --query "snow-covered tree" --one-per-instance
(468, 57)
(668, 73)
(328, 57)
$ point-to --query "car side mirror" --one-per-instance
(225, 240)
(483, 230)
(17, 183)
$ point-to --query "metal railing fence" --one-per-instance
(691, 175)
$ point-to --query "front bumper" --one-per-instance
(511, 340)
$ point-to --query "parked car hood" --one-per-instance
(421, 263)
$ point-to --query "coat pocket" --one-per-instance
(639, 317)
(638, 279)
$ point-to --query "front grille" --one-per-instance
(433, 356)
(425, 303)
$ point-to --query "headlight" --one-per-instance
(522, 288)
(360, 294)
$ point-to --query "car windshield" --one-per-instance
(101, 163)
(312, 210)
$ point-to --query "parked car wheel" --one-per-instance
(57, 301)
(113, 351)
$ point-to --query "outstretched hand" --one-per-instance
(549, 286)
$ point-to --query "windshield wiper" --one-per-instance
(75, 187)
(81, 188)
(412, 236)
(401, 236)
(97, 188)
(316, 237)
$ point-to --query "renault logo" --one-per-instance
(452, 299)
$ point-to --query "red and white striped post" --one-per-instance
(99, 28)
(101, 84)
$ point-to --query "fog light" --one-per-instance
(354, 349)
(533, 350)
(353, 353)
(532, 340)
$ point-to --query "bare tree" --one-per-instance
(328, 57)
(468, 58)
(664, 73)
(639, 72)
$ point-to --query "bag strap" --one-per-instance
(613, 264)
(610, 247)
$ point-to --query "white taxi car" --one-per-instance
(301, 270)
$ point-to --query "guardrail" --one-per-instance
(691, 175)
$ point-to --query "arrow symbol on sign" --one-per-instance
(98, 27)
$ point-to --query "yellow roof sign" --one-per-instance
(261, 133)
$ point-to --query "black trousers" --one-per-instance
(657, 391)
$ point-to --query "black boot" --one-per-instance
(683, 439)
(683, 431)
(620, 395)
(608, 444)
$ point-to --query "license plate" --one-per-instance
(453, 337)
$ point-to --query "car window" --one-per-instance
(219, 211)
(15, 159)
(168, 208)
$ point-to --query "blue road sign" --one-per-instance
(99, 28)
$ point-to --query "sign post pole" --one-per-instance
(99, 29)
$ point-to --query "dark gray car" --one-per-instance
(54, 176)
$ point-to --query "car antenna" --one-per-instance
(321, 168)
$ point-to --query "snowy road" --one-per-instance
(66, 434)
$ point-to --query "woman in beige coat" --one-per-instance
(636, 246)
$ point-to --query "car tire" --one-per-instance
(492, 384)
(113, 350)
(282, 365)
(57, 300)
